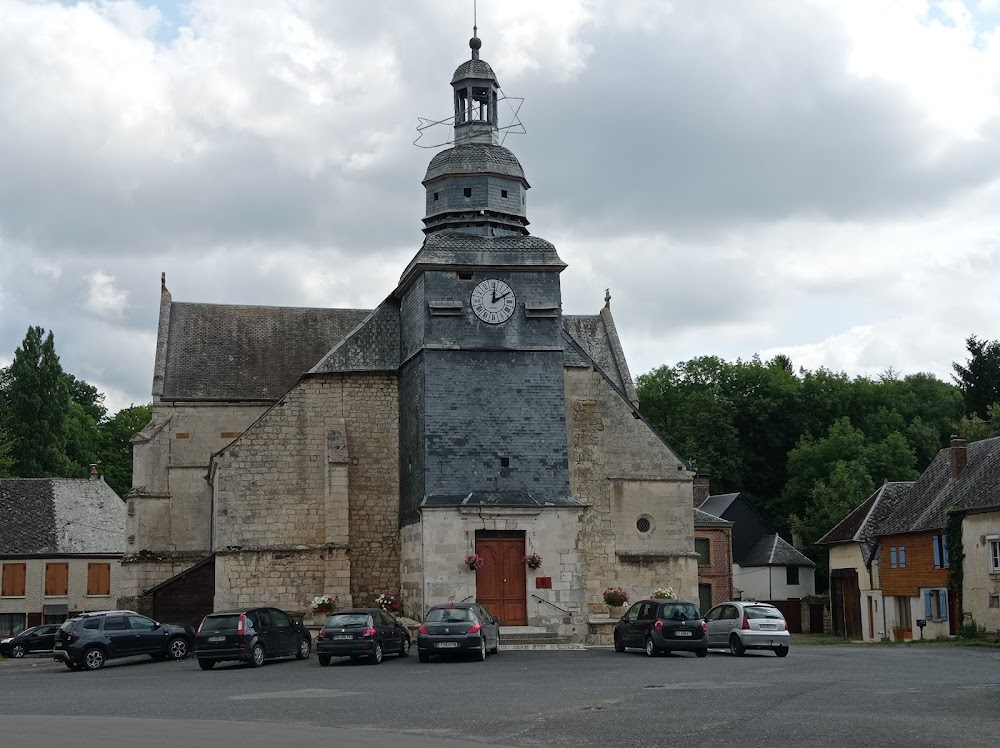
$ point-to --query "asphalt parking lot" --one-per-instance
(915, 695)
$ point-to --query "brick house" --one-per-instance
(713, 542)
(355, 452)
(61, 543)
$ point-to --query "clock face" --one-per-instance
(493, 301)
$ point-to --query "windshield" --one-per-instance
(680, 612)
(759, 611)
(346, 620)
(449, 615)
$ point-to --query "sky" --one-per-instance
(818, 178)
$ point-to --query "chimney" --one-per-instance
(959, 455)
(699, 488)
(93, 472)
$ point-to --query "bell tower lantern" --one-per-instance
(476, 95)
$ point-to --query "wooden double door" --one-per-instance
(501, 585)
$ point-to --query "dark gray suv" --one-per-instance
(89, 640)
(250, 635)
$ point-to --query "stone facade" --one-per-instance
(980, 583)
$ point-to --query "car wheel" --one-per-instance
(404, 648)
(781, 651)
(256, 656)
(701, 652)
(324, 660)
(18, 651)
(619, 644)
(651, 649)
(305, 647)
(177, 648)
(206, 664)
(481, 655)
(736, 645)
(496, 649)
(93, 659)
(376, 656)
(423, 657)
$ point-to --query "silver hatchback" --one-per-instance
(740, 625)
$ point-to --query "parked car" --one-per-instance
(36, 639)
(250, 635)
(662, 626)
(741, 625)
(456, 629)
(88, 640)
(361, 632)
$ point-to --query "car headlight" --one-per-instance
(6, 641)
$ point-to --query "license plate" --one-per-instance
(446, 645)
(344, 636)
(216, 638)
(682, 633)
(768, 626)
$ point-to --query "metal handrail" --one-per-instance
(543, 600)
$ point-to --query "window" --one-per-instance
(703, 547)
(435, 196)
(936, 605)
(892, 558)
(141, 623)
(92, 624)
(11, 623)
(467, 192)
(995, 601)
(791, 575)
(503, 193)
(940, 551)
(99, 579)
(115, 623)
(705, 596)
(280, 619)
(994, 555)
(13, 581)
(56, 580)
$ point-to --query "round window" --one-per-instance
(644, 524)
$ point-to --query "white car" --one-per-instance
(740, 625)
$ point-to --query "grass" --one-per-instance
(829, 640)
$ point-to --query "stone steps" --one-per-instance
(534, 638)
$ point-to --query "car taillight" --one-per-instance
(370, 631)
(241, 624)
(658, 626)
(746, 622)
(70, 636)
(704, 627)
(200, 625)
(786, 625)
(474, 628)
(321, 634)
(422, 629)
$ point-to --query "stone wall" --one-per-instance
(317, 474)
(638, 532)
(979, 584)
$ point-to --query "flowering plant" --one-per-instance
(474, 561)
(615, 596)
(533, 560)
(664, 593)
(324, 604)
(388, 601)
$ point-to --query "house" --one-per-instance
(856, 600)
(61, 544)
(356, 452)
(765, 567)
(713, 542)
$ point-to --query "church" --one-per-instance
(425, 448)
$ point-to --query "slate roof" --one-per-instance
(497, 498)
(704, 519)
(474, 69)
(229, 352)
(925, 505)
(474, 158)
(718, 505)
(598, 336)
(372, 346)
(857, 526)
(56, 516)
(773, 550)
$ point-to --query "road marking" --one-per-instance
(302, 693)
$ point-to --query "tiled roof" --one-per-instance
(704, 519)
(926, 504)
(598, 336)
(372, 346)
(48, 516)
(718, 504)
(226, 352)
(860, 525)
(497, 498)
(845, 531)
(773, 550)
(474, 158)
(474, 69)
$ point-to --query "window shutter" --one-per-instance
(943, 604)
(946, 562)
(936, 542)
(902, 557)
(13, 580)
(892, 557)
(56, 579)
(927, 605)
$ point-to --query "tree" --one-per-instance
(979, 379)
(116, 445)
(36, 400)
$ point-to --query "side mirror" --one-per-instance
(155, 626)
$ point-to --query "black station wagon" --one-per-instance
(662, 626)
(250, 635)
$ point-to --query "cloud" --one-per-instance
(103, 298)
